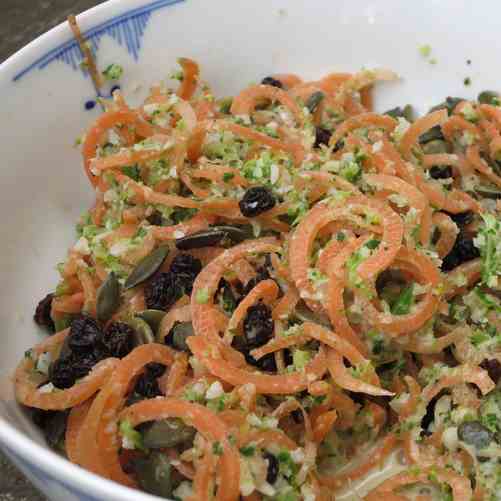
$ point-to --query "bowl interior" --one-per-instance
(44, 189)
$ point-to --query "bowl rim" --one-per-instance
(17, 443)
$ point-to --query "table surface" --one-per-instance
(25, 20)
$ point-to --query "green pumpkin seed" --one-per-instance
(143, 332)
(475, 433)
(492, 193)
(406, 112)
(167, 433)
(179, 334)
(435, 133)
(147, 267)
(314, 100)
(154, 474)
(489, 97)
(435, 146)
(108, 298)
(217, 235)
(449, 104)
(152, 317)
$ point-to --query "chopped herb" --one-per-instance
(404, 302)
(217, 448)
(202, 296)
(133, 438)
(248, 450)
(132, 171)
(425, 50)
(228, 176)
(113, 72)
(467, 81)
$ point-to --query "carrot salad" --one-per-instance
(282, 295)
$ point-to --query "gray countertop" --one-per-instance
(24, 20)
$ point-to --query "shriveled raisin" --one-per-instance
(185, 268)
(258, 325)
(61, 373)
(118, 340)
(42, 314)
(272, 81)
(463, 218)
(273, 468)
(155, 369)
(493, 367)
(464, 250)
(162, 292)
(84, 334)
(437, 172)
(322, 137)
(155, 218)
(256, 200)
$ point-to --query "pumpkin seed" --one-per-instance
(433, 134)
(217, 235)
(449, 104)
(167, 433)
(492, 193)
(435, 146)
(152, 317)
(489, 97)
(179, 334)
(108, 298)
(475, 433)
(406, 112)
(147, 267)
(143, 332)
(314, 100)
(154, 474)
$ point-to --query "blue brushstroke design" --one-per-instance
(127, 30)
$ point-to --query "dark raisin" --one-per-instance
(256, 200)
(266, 363)
(297, 416)
(118, 339)
(322, 136)
(155, 218)
(42, 314)
(273, 468)
(162, 292)
(155, 369)
(272, 81)
(147, 386)
(463, 218)
(464, 250)
(429, 416)
(61, 373)
(437, 172)
(185, 268)
(84, 334)
(83, 363)
(493, 367)
(52, 423)
(258, 325)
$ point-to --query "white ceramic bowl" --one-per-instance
(43, 93)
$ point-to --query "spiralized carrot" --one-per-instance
(206, 422)
(190, 77)
(418, 128)
(461, 489)
(76, 419)
(339, 222)
(28, 393)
